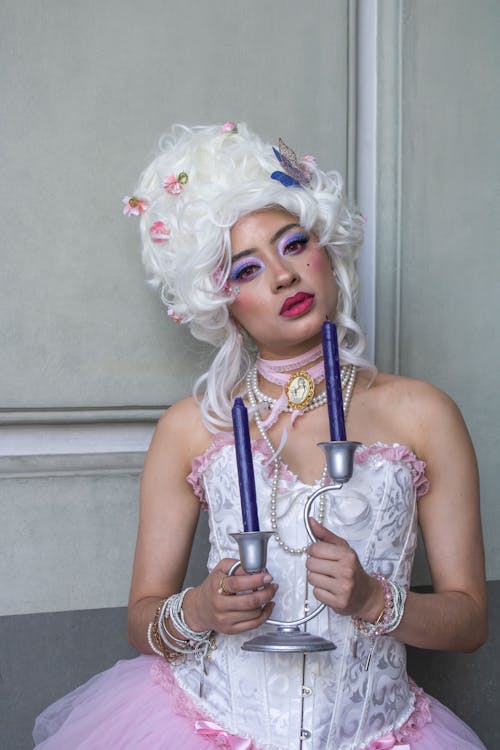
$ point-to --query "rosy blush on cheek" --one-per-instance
(318, 261)
(242, 302)
(248, 305)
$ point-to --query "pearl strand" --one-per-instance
(348, 384)
(348, 372)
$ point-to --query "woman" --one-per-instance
(255, 249)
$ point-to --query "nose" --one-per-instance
(283, 274)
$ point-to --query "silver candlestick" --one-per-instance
(288, 637)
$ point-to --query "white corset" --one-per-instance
(328, 699)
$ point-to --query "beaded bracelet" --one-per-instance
(392, 613)
(155, 642)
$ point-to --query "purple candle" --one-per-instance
(244, 464)
(333, 381)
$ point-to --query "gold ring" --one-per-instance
(221, 589)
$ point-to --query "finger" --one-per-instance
(336, 593)
(225, 564)
(326, 582)
(324, 566)
(327, 597)
(324, 534)
(246, 582)
(248, 602)
(255, 621)
(326, 551)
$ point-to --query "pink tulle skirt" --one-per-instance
(137, 705)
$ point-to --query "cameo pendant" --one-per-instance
(300, 390)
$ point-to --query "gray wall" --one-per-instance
(90, 87)
(88, 356)
(438, 272)
(84, 341)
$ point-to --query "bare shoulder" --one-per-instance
(404, 393)
(408, 411)
(180, 433)
(184, 417)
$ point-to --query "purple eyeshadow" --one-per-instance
(289, 239)
(240, 266)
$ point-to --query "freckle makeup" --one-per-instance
(316, 259)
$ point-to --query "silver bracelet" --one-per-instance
(191, 642)
(162, 624)
(179, 622)
(399, 598)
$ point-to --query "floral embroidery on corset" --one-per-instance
(376, 514)
(262, 453)
(162, 675)
(400, 453)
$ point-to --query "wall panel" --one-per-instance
(88, 355)
(439, 213)
(450, 283)
(90, 88)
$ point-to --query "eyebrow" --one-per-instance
(274, 238)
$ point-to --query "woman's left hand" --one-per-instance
(339, 579)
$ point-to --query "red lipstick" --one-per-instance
(297, 305)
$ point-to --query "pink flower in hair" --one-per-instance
(133, 206)
(174, 316)
(229, 127)
(226, 288)
(310, 160)
(175, 185)
(159, 232)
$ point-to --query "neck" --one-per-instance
(289, 364)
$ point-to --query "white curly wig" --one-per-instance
(201, 182)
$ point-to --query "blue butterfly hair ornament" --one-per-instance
(295, 175)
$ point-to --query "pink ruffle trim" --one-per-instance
(398, 453)
(182, 704)
(262, 451)
(411, 729)
(199, 464)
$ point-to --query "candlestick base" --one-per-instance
(288, 639)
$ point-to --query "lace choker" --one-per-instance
(292, 397)
(298, 394)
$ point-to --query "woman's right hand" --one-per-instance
(230, 604)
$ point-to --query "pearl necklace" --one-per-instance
(348, 378)
(252, 392)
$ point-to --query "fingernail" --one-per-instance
(276, 586)
(267, 578)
